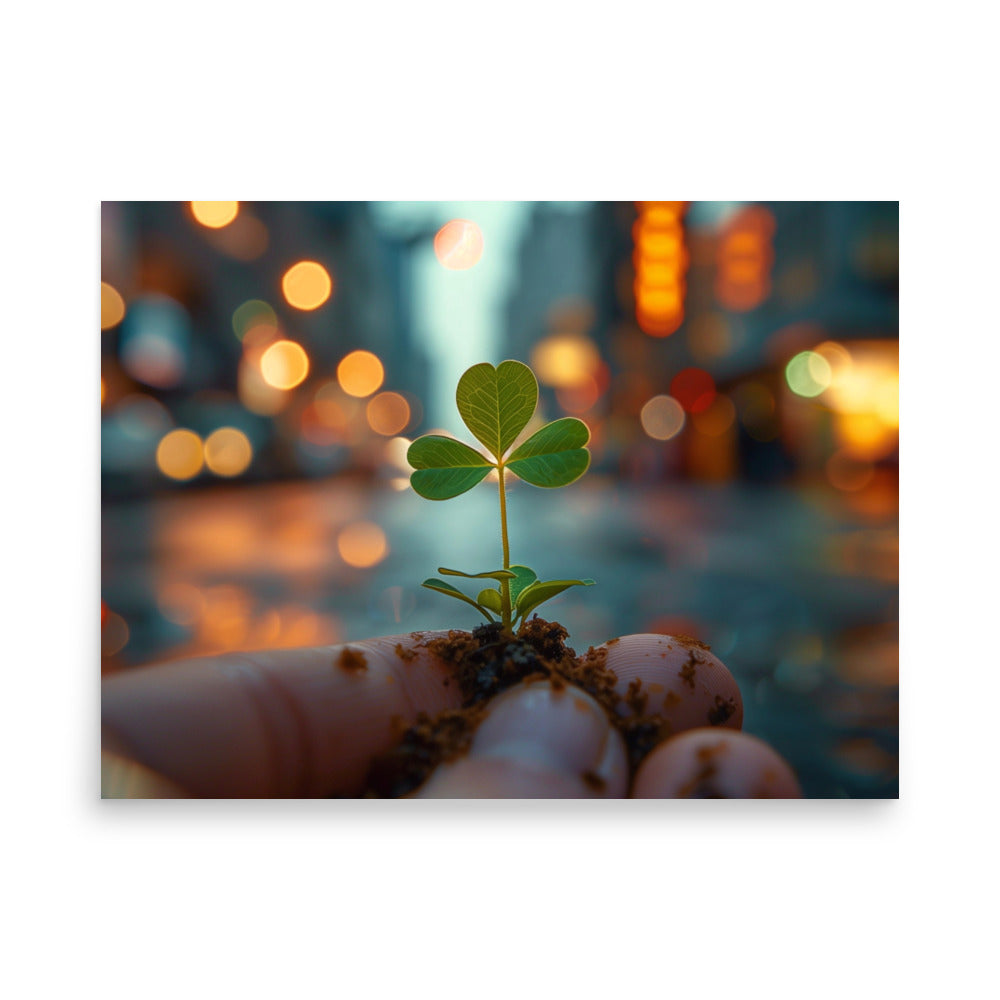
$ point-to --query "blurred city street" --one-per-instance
(796, 591)
(266, 366)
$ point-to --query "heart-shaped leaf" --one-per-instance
(523, 577)
(446, 588)
(493, 574)
(497, 403)
(536, 593)
(444, 467)
(554, 455)
(491, 599)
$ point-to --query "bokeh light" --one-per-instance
(458, 244)
(180, 454)
(848, 473)
(252, 314)
(662, 418)
(112, 306)
(306, 285)
(693, 388)
(362, 544)
(215, 214)
(228, 451)
(717, 418)
(388, 413)
(565, 360)
(660, 261)
(155, 341)
(284, 364)
(744, 259)
(808, 374)
(360, 373)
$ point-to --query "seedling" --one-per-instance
(496, 405)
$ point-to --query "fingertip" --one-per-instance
(714, 763)
(678, 678)
(538, 741)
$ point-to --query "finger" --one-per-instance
(676, 678)
(297, 722)
(538, 742)
(714, 764)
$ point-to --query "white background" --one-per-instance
(458, 101)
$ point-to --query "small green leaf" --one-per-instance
(523, 577)
(493, 574)
(536, 593)
(446, 588)
(497, 403)
(445, 467)
(491, 599)
(554, 455)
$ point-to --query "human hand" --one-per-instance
(309, 722)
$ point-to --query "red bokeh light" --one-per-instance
(694, 389)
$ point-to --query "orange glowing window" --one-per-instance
(360, 373)
(306, 285)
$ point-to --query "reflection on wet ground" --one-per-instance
(795, 591)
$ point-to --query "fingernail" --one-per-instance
(562, 730)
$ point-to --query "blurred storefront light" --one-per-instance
(215, 214)
(251, 314)
(362, 544)
(808, 374)
(662, 418)
(112, 306)
(565, 360)
(388, 413)
(180, 454)
(458, 244)
(306, 285)
(693, 388)
(228, 452)
(744, 259)
(284, 364)
(360, 374)
(660, 261)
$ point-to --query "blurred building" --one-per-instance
(195, 303)
(718, 340)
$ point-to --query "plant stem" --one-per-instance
(504, 584)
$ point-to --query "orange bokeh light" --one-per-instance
(360, 373)
(228, 452)
(284, 364)
(458, 244)
(306, 285)
(215, 214)
(112, 306)
(362, 544)
(388, 413)
(180, 454)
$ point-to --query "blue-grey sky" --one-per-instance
(458, 313)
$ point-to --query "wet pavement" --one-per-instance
(795, 590)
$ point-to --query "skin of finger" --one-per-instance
(538, 742)
(689, 686)
(286, 723)
(715, 763)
